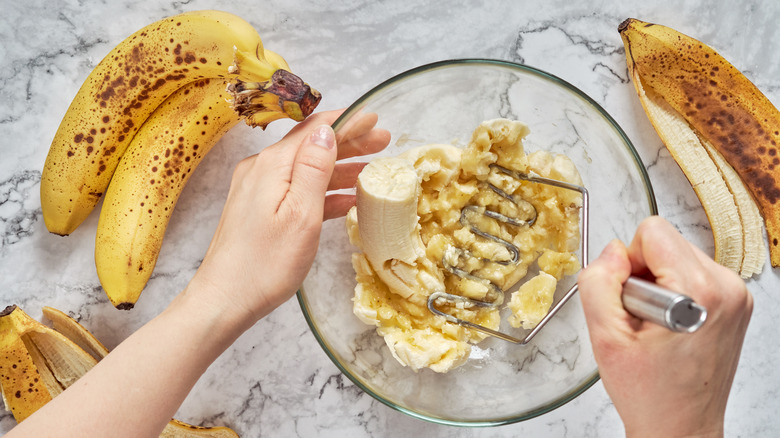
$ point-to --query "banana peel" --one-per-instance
(38, 362)
(722, 132)
(23, 388)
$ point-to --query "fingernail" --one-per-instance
(323, 136)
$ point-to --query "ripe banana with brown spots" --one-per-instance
(721, 130)
(148, 181)
(134, 79)
(152, 173)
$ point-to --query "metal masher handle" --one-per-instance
(651, 302)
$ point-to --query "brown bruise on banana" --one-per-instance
(719, 102)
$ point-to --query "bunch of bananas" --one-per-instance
(39, 362)
(144, 119)
(722, 132)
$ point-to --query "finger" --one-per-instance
(345, 175)
(280, 156)
(366, 144)
(601, 286)
(357, 125)
(660, 250)
(299, 132)
(337, 205)
(312, 171)
(678, 265)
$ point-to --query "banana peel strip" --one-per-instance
(38, 362)
(736, 225)
(754, 254)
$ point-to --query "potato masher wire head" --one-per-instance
(641, 298)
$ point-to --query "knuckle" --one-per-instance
(315, 162)
(650, 225)
(244, 165)
(725, 290)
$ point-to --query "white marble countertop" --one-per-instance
(276, 381)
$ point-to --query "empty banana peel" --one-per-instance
(38, 362)
(23, 387)
(76, 332)
(720, 130)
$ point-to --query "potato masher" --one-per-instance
(641, 298)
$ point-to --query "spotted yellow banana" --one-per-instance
(154, 170)
(148, 181)
(720, 129)
(132, 81)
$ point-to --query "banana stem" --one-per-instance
(284, 95)
(250, 67)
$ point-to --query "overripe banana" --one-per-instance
(134, 79)
(151, 175)
(148, 181)
(38, 362)
(720, 129)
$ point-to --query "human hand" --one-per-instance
(664, 383)
(268, 234)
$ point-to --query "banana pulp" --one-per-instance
(407, 223)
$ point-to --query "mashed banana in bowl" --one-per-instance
(415, 223)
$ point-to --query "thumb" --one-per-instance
(313, 167)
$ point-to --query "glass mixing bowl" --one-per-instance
(501, 382)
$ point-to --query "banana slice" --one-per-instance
(387, 191)
(532, 301)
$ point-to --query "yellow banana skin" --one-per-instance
(125, 88)
(22, 386)
(148, 181)
(720, 103)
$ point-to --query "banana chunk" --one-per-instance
(532, 301)
(409, 227)
(387, 192)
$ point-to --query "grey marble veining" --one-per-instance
(276, 380)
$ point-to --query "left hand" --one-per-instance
(268, 234)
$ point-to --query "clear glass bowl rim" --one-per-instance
(356, 106)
